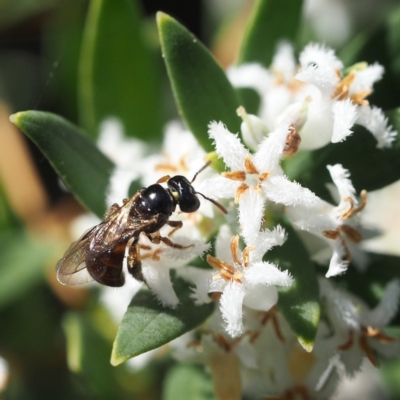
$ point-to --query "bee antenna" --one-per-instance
(220, 206)
(200, 170)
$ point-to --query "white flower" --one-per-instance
(254, 178)
(336, 225)
(358, 328)
(319, 101)
(245, 279)
(159, 259)
(303, 374)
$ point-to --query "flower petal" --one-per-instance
(219, 187)
(159, 281)
(228, 146)
(222, 244)
(271, 149)
(201, 278)
(251, 212)
(340, 177)
(281, 190)
(344, 117)
(387, 308)
(264, 273)
(337, 266)
(250, 75)
(318, 67)
(260, 297)
(365, 78)
(231, 308)
(373, 119)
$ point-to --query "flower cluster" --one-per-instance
(303, 106)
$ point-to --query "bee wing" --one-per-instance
(72, 268)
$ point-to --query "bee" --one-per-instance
(100, 253)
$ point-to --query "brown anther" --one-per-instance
(228, 272)
(265, 318)
(272, 315)
(359, 97)
(235, 175)
(237, 277)
(227, 276)
(196, 344)
(166, 167)
(377, 334)
(246, 255)
(366, 348)
(240, 191)
(363, 202)
(342, 90)
(253, 335)
(277, 329)
(331, 233)
(219, 264)
(234, 249)
(351, 233)
(349, 342)
(293, 140)
(224, 342)
(250, 167)
(163, 179)
(263, 176)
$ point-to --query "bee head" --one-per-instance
(183, 193)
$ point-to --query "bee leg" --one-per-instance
(167, 241)
(176, 225)
(134, 262)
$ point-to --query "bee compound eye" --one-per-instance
(187, 197)
(156, 200)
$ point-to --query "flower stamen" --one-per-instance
(234, 249)
(246, 255)
(235, 175)
(240, 191)
(271, 315)
(249, 165)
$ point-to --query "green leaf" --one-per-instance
(14, 12)
(88, 353)
(201, 89)
(270, 22)
(8, 218)
(147, 324)
(22, 263)
(83, 168)
(298, 303)
(185, 382)
(117, 75)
